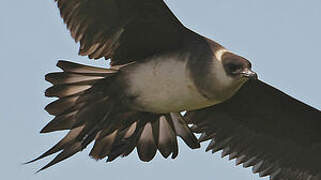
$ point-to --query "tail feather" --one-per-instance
(183, 131)
(67, 152)
(62, 122)
(68, 66)
(89, 106)
(73, 78)
(146, 145)
(130, 130)
(103, 145)
(63, 90)
(67, 140)
(77, 109)
(148, 136)
(55, 108)
(167, 142)
(81, 134)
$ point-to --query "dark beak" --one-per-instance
(249, 74)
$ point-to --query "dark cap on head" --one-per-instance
(237, 66)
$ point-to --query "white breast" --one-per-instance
(162, 85)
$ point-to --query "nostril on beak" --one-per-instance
(249, 74)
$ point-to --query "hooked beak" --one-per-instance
(249, 74)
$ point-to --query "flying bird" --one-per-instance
(160, 68)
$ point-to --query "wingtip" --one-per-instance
(197, 146)
(44, 130)
(28, 162)
(41, 169)
(62, 63)
(34, 160)
(59, 63)
(94, 156)
(38, 171)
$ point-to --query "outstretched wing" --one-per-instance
(123, 30)
(263, 127)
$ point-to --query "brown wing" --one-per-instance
(265, 128)
(123, 30)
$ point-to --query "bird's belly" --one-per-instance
(163, 86)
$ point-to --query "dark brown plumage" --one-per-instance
(264, 128)
(123, 30)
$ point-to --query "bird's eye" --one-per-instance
(234, 68)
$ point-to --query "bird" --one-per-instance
(160, 68)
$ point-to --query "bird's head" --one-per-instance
(237, 67)
(230, 72)
(219, 73)
(224, 74)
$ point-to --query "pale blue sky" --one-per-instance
(281, 38)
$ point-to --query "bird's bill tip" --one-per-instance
(249, 74)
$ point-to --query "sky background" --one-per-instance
(281, 38)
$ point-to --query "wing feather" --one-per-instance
(267, 129)
(124, 30)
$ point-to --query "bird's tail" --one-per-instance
(89, 106)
